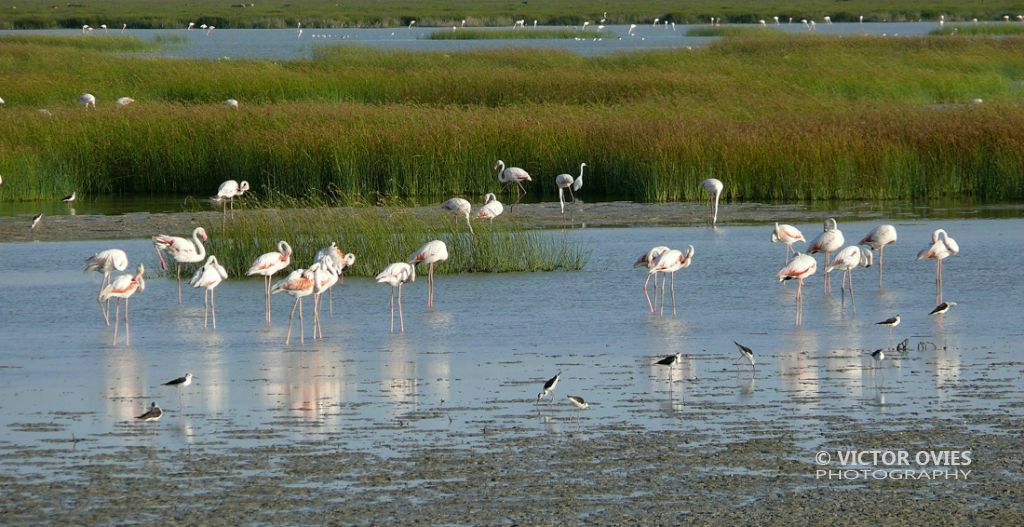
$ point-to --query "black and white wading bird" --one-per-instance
(878, 355)
(70, 198)
(549, 387)
(35, 220)
(891, 322)
(180, 382)
(942, 308)
(671, 360)
(745, 353)
(579, 403)
(153, 414)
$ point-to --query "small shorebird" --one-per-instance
(878, 355)
(70, 198)
(180, 382)
(670, 360)
(36, 219)
(579, 403)
(891, 322)
(942, 308)
(153, 414)
(549, 387)
(745, 353)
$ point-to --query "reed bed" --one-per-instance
(994, 29)
(379, 237)
(176, 14)
(794, 118)
(517, 34)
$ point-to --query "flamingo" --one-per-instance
(209, 276)
(182, 250)
(228, 191)
(788, 235)
(88, 100)
(492, 207)
(877, 239)
(849, 259)
(431, 253)
(106, 262)
(299, 283)
(799, 268)
(459, 206)
(267, 265)
(829, 241)
(647, 260)
(668, 263)
(714, 189)
(124, 101)
(339, 261)
(565, 181)
(190, 26)
(233, 103)
(942, 246)
(512, 175)
(395, 275)
(325, 275)
(124, 286)
(632, 30)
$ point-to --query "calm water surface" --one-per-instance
(473, 365)
(286, 44)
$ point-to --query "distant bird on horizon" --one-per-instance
(208, 277)
(36, 219)
(492, 208)
(267, 265)
(566, 181)
(182, 250)
(87, 100)
(396, 275)
(714, 189)
(432, 252)
(549, 387)
(512, 176)
(461, 207)
(942, 308)
(153, 414)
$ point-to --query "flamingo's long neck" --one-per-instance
(200, 250)
(714, 218)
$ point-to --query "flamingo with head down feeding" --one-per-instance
(847, 260)
(647, 261)
(182, 250)
(668, 263)
(461, 207)
(788, 235)
(830, 240)
(877, 239)
(565, 181)
(123, 287)
(299, 283)
(714, 189)
(209, 276)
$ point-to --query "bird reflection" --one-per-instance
(125, 382)
(399, 380)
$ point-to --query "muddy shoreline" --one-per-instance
(532, 215)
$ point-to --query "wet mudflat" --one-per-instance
(441, 425)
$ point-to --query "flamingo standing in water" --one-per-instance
(788, 235)
(182, 250)
(829, 241)
(461, 207)
(512, 175)
(565, 181)
(124, 286)
(325, 275)
(267, 265)
(299, 284)
(209, 276)
(106, 262)
(877, 239)
(714, 189)
(396, 275)
(492, 207)
(340, 261)
(647, 261)
(799, 268)
(849, 259)
(431, 253)
(668, 263)
(942, 246)
(228, 191)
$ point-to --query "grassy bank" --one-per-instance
(994, 29)
(516, 34)
(378, 238)
(799, 117)
(165, 14)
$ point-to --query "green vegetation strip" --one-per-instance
(795, 118)
(379, 237)
(993, 29)
(516, 34)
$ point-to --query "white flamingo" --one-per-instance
(396, 275)
(209, 276)
(182, 250)
(512, 176)
(87, 100)
(647, 261)
(123, 101)
(799, 268)
(106, 262)
(668, 263)
(565, 181)
(714, 189)
(461, 207)
(325, 275)
(847, 260)
(267, 265)
(298, 284)
(433, 252)
(942, 246)
(830, 240)
(340, 261)
(228, 191)
(124, 286)
(492, 208)
(877, 239)
(788, 235)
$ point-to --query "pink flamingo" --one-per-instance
(788, 235)
(512, 176)
(460, 207)
(565, 181)
(267, 265)
(829, 241)
(877, 239)
(849, 259)
(941, 247)
(106, 262)
(492, 208)
(668, 263)
(124, 286)
(433, 252)
(299, 284)
(209, 276)
(325, 275)
(340, 261)
(799, 268)
(395, 275)
(228, 191)
(182, 250)
(647, 261)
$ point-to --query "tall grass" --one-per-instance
(985, 30)
(776, 118)
(379, 237)
(516, 34)
(176, 14)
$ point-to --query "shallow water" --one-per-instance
(286, 44)
(470, 369)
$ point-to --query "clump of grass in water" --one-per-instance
(379, 237)
(980, 30)
(516, 34)
(733, 31)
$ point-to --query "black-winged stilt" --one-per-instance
(549, 387)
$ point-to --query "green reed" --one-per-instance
(992, 29)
